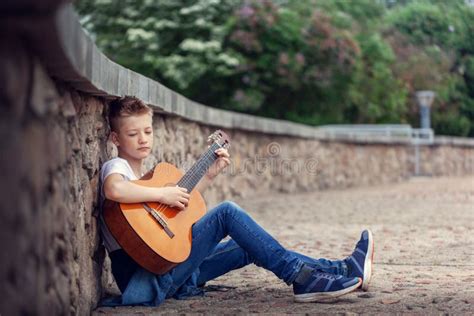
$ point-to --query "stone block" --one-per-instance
(44, 97)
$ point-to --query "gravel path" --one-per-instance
(424, 255)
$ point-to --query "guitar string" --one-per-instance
(202, 164)
(198, 167)
(193, 178)
(206, 156)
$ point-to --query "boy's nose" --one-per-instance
(142, 138)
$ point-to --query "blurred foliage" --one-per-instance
(311, 61)
(434, 42)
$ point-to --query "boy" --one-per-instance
(312, 279)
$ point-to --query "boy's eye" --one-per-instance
(132, 134)
(148, 132)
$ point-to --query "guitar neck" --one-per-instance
(199, 169)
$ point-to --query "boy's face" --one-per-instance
(134, 138)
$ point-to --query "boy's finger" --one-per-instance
(222, 152)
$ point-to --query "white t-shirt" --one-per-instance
(120, 166)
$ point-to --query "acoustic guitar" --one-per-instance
(155, 235)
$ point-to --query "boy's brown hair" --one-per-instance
(125, 106)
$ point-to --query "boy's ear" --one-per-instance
(114, 138)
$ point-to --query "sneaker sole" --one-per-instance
(369, 258)
(325, 296)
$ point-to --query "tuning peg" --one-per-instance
(213, 137)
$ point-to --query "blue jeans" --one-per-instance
(211, 258)
(250, 243)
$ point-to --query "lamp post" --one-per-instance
(425, 99)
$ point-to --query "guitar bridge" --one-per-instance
(156, 215)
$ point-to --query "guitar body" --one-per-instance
(142, 237)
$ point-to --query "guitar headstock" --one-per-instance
(219, 137)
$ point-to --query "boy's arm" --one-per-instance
(116, 188)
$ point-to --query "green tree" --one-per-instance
(174, 41)
(312, 61)
(434, 48)
(293, 67)
(377, 96)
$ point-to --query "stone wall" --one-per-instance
(263, 163)
(54, 140)
(445, 158)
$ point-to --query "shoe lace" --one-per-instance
(328, 276)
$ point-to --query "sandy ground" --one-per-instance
(424, 251)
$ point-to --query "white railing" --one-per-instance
(378, 132)
(422, 136)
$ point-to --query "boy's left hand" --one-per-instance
(220, 164)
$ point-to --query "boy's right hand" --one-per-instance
(175, 197)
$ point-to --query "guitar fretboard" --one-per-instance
(198, 170)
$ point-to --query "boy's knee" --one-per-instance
(230, 207)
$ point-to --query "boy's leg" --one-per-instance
(228, 256)
(229, 219)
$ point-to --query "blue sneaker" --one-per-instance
(360, 262)
(321, 286)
